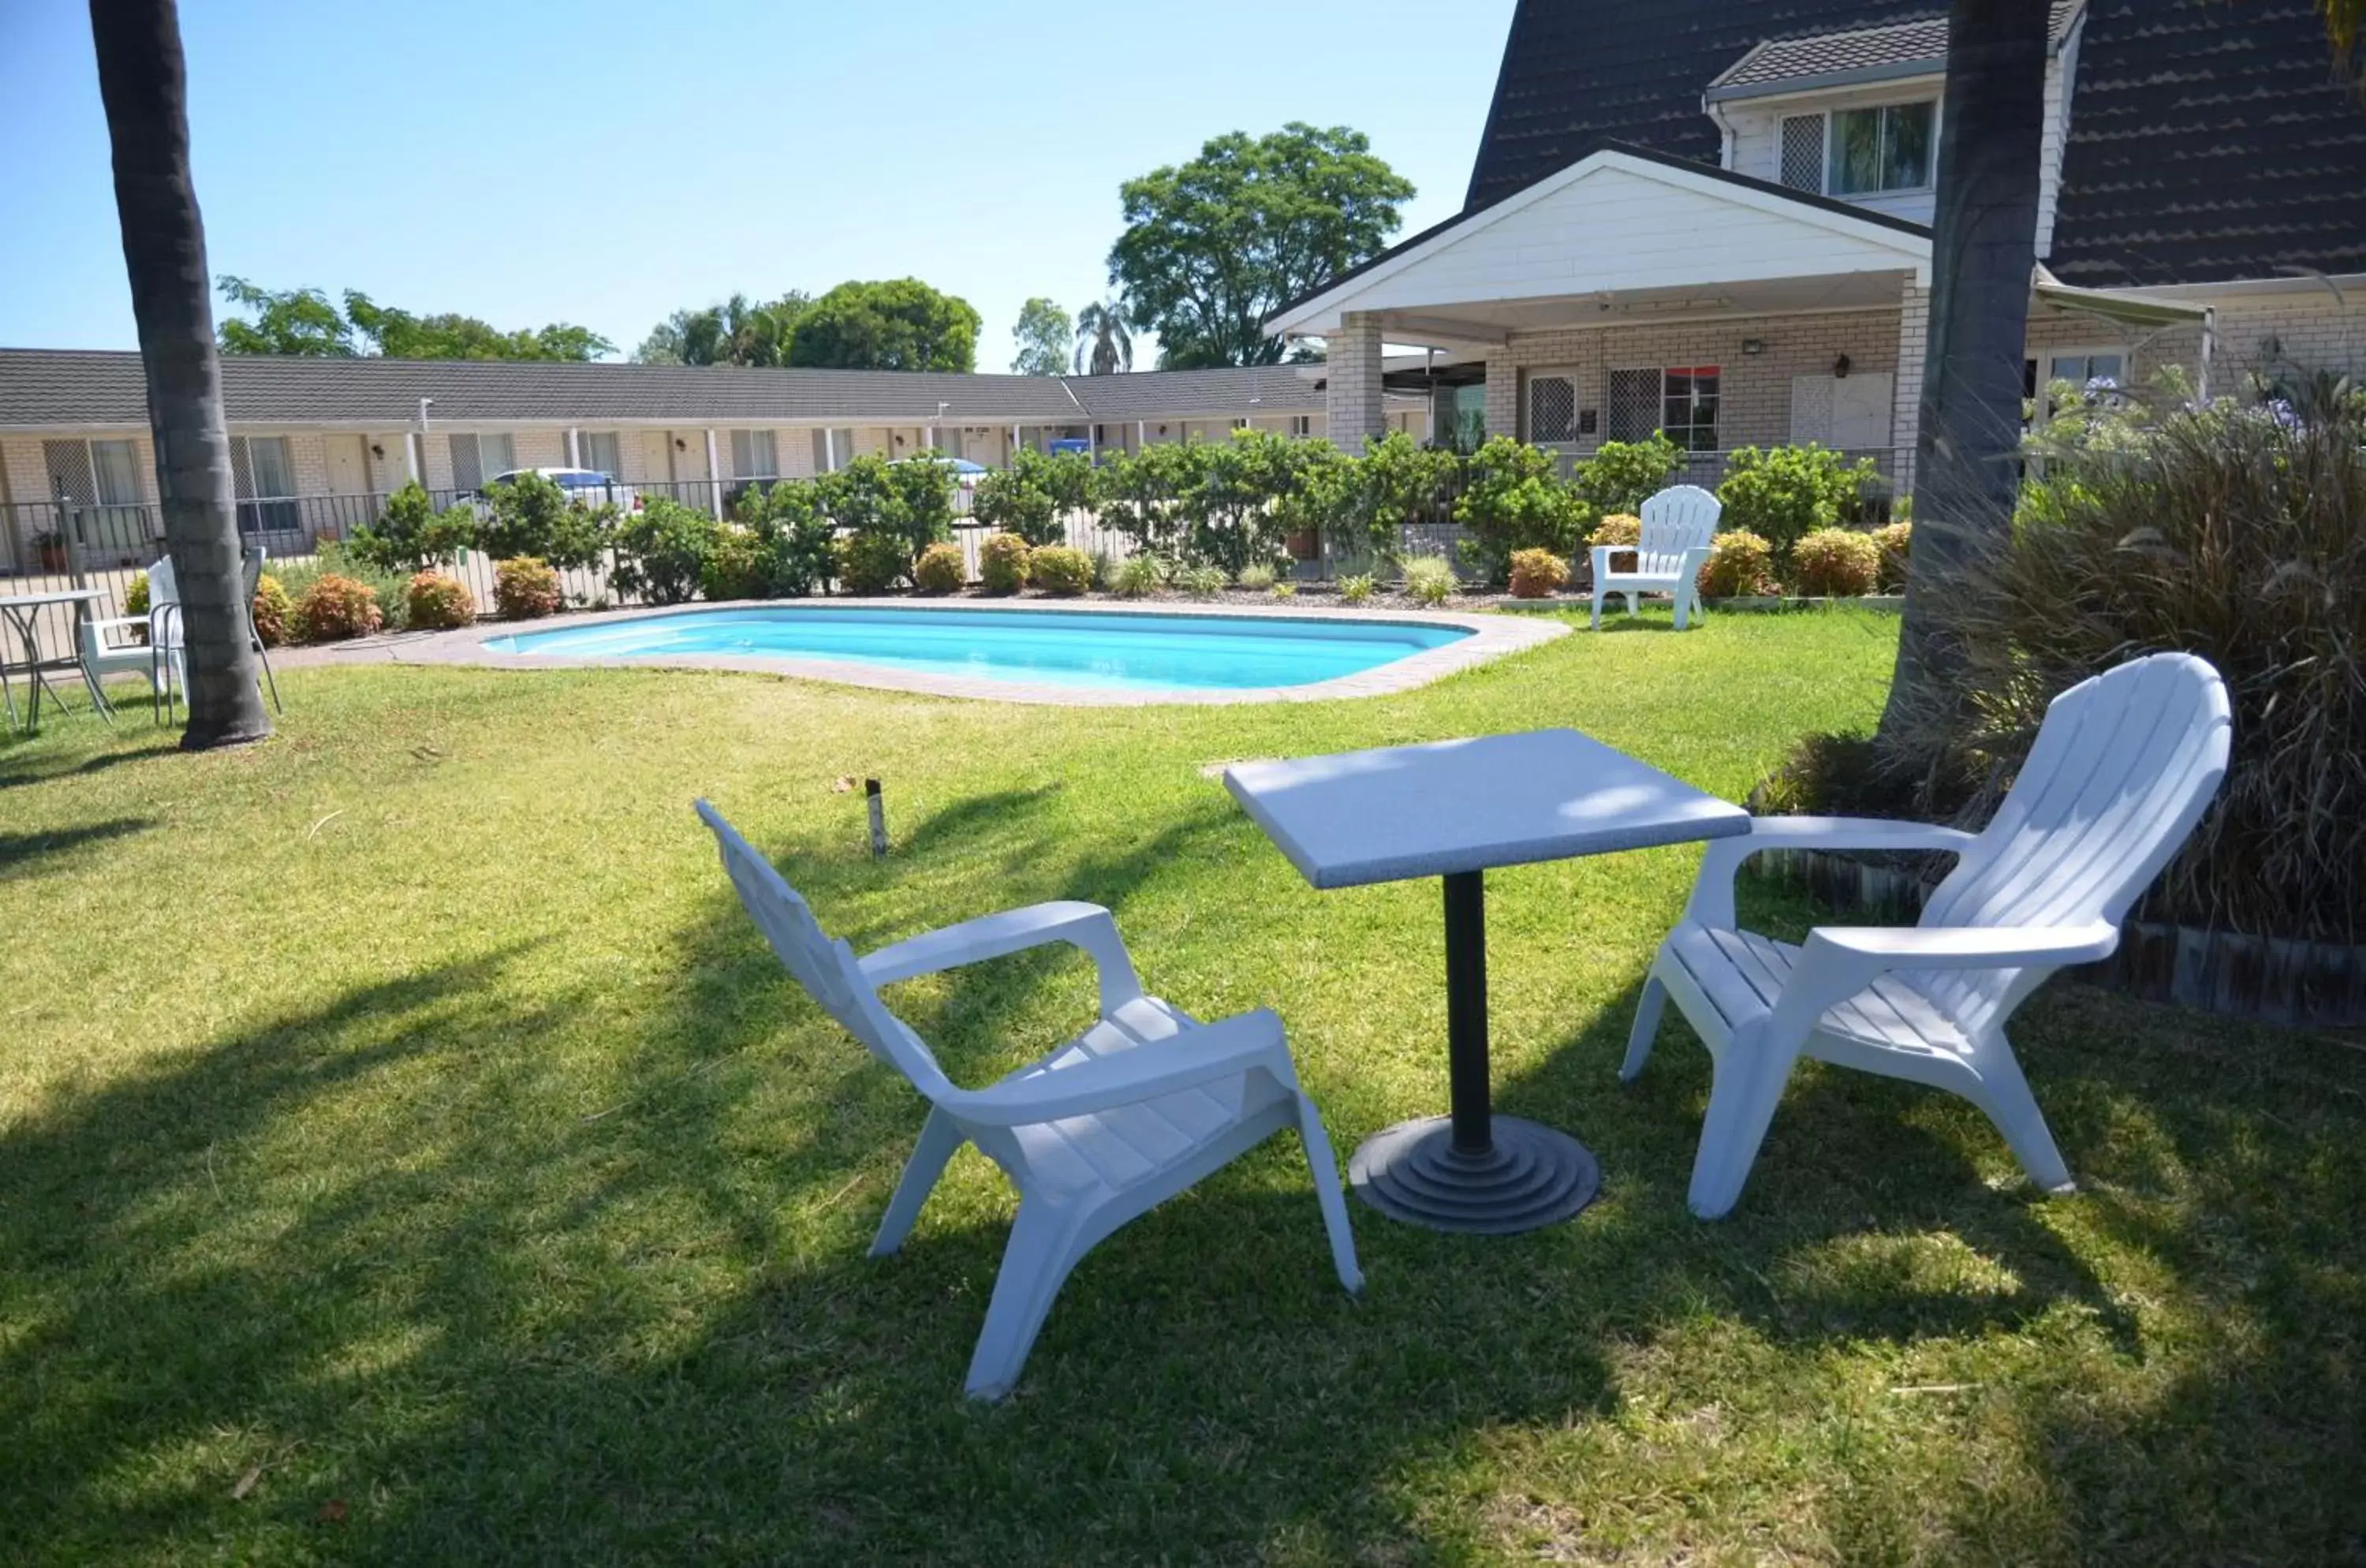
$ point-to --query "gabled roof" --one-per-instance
(1892, 52)
(54, 388)
(2209, 139)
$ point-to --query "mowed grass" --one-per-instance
(410, 1153)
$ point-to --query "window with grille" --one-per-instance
(754, 455)
(478, 459)
(115, 465)
(1552, 409)
(1634, 404)
(1681, 402)
(1803, 152)
(599, 450)
(265, 480)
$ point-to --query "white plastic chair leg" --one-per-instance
(2005, 1099)
(1036, 1263)
(939, 1136)
(1648, 1009)
(1600, 593)
(1328, 1194)
(1747, 1085)
(1634, 604)
(1684, 604)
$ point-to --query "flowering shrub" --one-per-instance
(526, 589)
(336, 608)
(1061, 572)
(439, 602)
(1740, 564)
(1895, 541)
(1536, 573)
(1002, 563)
(940, 570)
(1836, 563)
(271, 611)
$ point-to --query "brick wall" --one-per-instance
(1353, 404)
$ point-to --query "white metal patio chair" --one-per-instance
(1136, 1109)
(2122, 769)
(1678, 526)
(160, 659)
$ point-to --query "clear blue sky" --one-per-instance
(605, 163)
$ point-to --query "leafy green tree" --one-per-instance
(908, 506)
(1621, 475)
(1043, 334)
(1033, 496)
(1512, 499)
(1213, 247)
(1401, 482)
(1104, 340)
(302, 321)
(1233, 508)
(412, 535)
(733, 333)
(1146, 496)
(531, 516)
(662, 551)
(903, 325)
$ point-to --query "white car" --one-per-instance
(589, 487)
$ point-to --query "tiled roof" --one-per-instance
(1862, 54)
(2208, 140)
(72, 387)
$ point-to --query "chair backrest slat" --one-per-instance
(163, 588)
(1680, 518)
(826, 968)
(2121, 771)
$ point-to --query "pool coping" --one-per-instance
(1492, 636)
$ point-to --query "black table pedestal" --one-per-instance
(1472, 1171)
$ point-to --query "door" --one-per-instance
(1848, 413)
(1549, 405)
(657, 460)
(350, 502)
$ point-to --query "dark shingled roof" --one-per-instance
(2209, 139)
(1858, 54)
(76, 387)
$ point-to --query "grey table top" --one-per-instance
(61, 596)
(1457, 806)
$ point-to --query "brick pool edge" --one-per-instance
(1492, 636)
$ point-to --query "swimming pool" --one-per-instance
(1103, 650)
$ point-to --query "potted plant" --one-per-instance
(52, 547)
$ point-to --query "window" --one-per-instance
(265, 480)
(832, 449)
(1803, 152)
(754, 455)
(1681, 402)
(476, 459)
(1552, 409)
(2080, 366)
(1885, 149)
(116, 465)
(601, 450)
(1302, 424)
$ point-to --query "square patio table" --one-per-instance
(1452, 809)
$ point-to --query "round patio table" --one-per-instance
(1452, 809)
(21, 614)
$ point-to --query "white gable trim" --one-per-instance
(1319, 314)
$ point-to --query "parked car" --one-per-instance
(588, 487)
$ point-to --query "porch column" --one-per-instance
(714, 477)
(1502, 398)
(1913, 334)
(1352, 404)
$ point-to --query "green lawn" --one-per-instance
(409, 1153)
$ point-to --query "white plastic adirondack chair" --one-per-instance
(2121, 771)
(1678, 524)
(1138, 1108)
(159, 660)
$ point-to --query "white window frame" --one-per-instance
(583, 452)
(770, 439)
(1660, 401)
(98, 473)
(1824, 163)
(2087, 353)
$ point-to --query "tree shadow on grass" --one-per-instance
(19, 766)
(33, 854)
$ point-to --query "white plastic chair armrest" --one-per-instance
(119, 622)
(1088, 927)
(1712, 899)
(1602, 554)
(1223, 1049)
(1838, 962)
(1695, 559)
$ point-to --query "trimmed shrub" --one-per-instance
(1354, 590)
(1002, 563)
(868, 564)
(1061, 572)
(736, 566)
(1033, 496)
(1536, 573)
(1429, 580)
(662, 552)
(1783, 493)
(1204, 580)
(1149, 496)
(526, 589)
(135, 594)
(439, 603)
(1836, 563)
(1396, 483)
(941, 570)
(787, 537)
(410, 536)
(1232, 505)
(908, 504)
(1619, 530)
(1255, 579)
(272, 610)
(1622, 475)
(1896, 541)
(336, 608)
(1136, 579)
(533, 518)
(1739, 565)
(1512, 499)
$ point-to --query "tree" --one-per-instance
(899, 325)
(2345, 23)
(1043, 334)
(1983, 251)
(143, 83)
(303, 321)
(733, 332)
(1215, 247)
(1102, 330)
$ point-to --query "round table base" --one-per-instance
(1533, 1176)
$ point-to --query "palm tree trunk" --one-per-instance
(143, 81)
(1984, 248)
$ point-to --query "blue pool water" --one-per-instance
(1082, 648)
